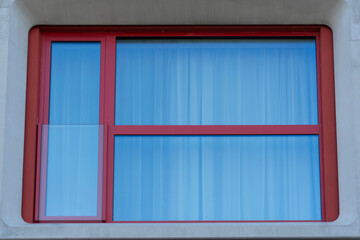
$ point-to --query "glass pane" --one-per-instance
(216, 82)
(70, 159)
(216, 178)
(71, 150)
(74, 83)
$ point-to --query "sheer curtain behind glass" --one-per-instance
(216, 82)
(219, 82)
(216, 178)
(72, 146)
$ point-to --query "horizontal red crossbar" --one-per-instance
(216, 130)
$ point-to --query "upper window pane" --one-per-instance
(74, 83)
(216, 82)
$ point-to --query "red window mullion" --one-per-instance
(109, 118)
(321, 150)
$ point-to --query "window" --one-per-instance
(180, 124)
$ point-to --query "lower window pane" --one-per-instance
(70, 173)
(165, 178)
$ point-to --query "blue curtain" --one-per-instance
(216, 178)
(219, 82)
(73, 130)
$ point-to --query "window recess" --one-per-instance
(147, 124)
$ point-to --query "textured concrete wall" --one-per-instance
(18, 16)
(355, 65)
(4, 37)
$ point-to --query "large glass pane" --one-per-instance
(216, 82)
(70, 156)
(74, 83)
(216, 178)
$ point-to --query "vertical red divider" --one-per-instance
(110, 120)
(28, 209)
(331, 188)
(43, 119)
(321, 150)
(102, 134)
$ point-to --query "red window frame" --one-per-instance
(37, 105)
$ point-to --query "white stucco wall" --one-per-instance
(18, 16)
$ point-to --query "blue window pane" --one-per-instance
(216, 178)
(216, 82)
(73, 153)
(72, 147)
(74, 83)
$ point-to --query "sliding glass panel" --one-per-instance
(71, 149)
(216, 178)
(74, 83)
(71, 155)
(216, 82)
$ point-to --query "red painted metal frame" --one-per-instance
(329, 146)
(44, 97)
(30, 138)
(110, 120)
(42, 35)
(321, 150)
(215, 130)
